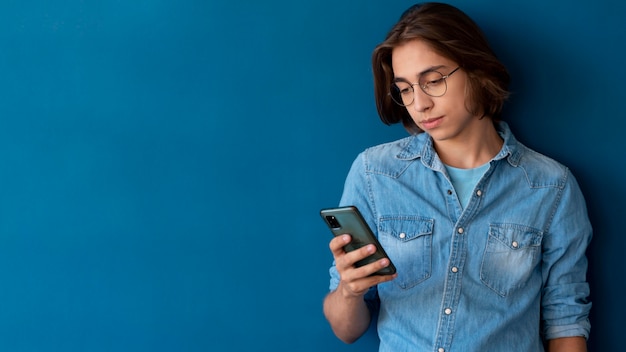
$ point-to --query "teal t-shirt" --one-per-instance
(464, 181)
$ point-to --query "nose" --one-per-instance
(421, 100)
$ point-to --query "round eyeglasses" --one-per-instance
(433, 83)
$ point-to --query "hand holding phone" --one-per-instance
(348, 220)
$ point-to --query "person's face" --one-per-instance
(442, 117)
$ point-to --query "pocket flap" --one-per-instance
(406, 228)
(516, 236)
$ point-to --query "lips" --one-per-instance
(431, 123)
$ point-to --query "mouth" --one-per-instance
(431, 122)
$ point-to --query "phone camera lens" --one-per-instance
(333, 222)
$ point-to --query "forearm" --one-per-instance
(568, 344)
(349, 317)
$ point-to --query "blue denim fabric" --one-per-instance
(499, 275)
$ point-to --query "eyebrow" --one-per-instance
(430, 69)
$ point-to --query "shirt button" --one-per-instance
(515, 244)
(448, 311)
(440, 349)
(455, 269)
(479, 193)
(449, 192)
(402, 235)
(460, 230)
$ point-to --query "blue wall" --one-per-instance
(162, 163)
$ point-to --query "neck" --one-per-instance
(472, 149)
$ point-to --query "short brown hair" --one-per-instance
(452, 34)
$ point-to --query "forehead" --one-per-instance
(414, 57)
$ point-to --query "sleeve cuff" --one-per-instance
(579, 329)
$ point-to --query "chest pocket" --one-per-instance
(511, 255)
(408, 242)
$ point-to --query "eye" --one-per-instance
(406, 91)
(434, 82)
(403, 88)
(431, 79)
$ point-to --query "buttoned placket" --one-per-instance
(458, 255)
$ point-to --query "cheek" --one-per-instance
(415, 116)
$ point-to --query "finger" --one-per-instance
(367, 272)
(359, 254)
(337, 243)
(372, 268)
(346, 260)
(356, 284)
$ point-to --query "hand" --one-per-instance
(355, 282)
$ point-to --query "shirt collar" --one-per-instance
(421, 146)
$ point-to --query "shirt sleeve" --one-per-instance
(565, 305)
(355, 192)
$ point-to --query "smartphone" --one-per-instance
(348, 220)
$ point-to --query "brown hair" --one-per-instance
(452, 34)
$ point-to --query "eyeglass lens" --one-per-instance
(431, 83)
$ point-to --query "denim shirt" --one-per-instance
(501, 274)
